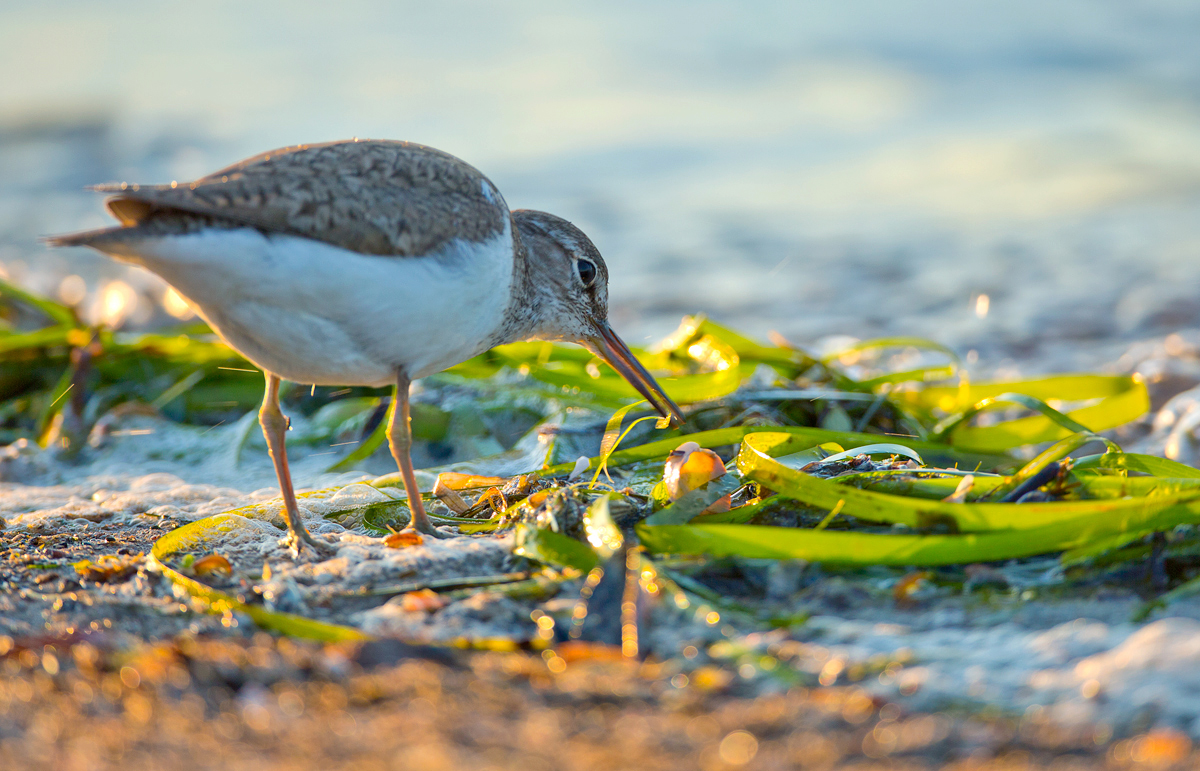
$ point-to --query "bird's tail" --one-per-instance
(130, 211)
(94, 238)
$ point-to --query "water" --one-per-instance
(860, 168)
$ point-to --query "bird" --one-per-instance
(365, 263)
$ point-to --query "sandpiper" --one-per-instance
(368, 263)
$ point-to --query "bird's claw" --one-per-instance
(295, 543)
(427, 528)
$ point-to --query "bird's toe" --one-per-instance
(297, 543)
(428, 529)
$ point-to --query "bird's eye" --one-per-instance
(587, 272)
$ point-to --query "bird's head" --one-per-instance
(568, 283)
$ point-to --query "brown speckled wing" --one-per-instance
(369, 196)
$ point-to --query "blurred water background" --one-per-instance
(1018, 180)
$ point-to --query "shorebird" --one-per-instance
(367, 263)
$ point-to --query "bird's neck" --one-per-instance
(527, 301)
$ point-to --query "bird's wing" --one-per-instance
(369, 196)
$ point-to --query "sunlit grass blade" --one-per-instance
(1144, 464)
(851, 548)
(57, 312)
(807, 437)
(55, 404)
(178, 389)
(811, 454)
(1095, 486)
(693, 327)
(943, 430)
(934, 484)
(1051, 454)
(241, 434)
(1100, 546)
(807, 394)
(31, 342)
(876, 449)
(1121, 399)
(918, 375)
(613, 436)
(919, 343)
(755, 462)
(179, 348)
(551, 548)
(1066, 387)
(368, 445)
(789, 359)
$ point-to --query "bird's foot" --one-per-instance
(427, 528)
(296, 542)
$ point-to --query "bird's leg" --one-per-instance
(275, 425)
(400, 440)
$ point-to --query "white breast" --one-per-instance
(315, 313)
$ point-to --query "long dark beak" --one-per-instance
(618, 355)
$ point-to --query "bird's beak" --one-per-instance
(617, 354)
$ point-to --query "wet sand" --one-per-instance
(260, 702)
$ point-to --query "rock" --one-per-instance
(1174, 432)
(1149, 308)
(1168, 366)
(23, 462)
